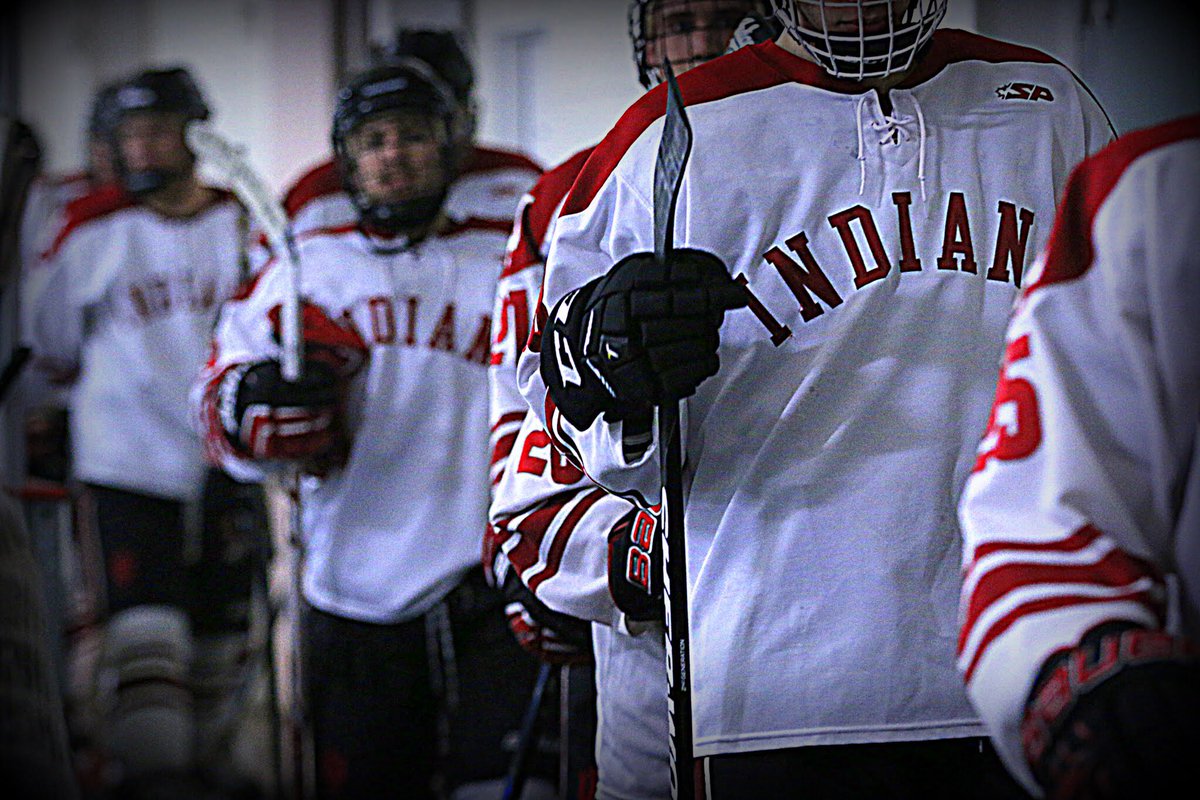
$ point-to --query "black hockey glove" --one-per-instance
(543, 632)
(642, 335)
(1116, 717)
(635, 567)
(267, 417)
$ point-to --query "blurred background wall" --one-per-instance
(552, 75)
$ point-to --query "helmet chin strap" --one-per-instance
(148, 181)
(415, 214)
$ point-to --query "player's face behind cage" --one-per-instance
(860, 39)
(152, 143)
(398, 156)
(688, 32)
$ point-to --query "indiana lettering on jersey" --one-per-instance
(401, 321)
(162, 294)
(870, 259)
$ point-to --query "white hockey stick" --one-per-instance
(229, 160)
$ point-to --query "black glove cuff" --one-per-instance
(578, 391)
(635, 567)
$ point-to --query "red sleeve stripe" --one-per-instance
(320, 181)
(559, 545)
(488, 159)
(503, 447)
(510, 417)
(100, 203)
(529, 530)
(1070, 252)
(1077, 541)
(1115, 569)
(1140, 596)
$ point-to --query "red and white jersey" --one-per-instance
(489, 187)
(393, 530)
(549, 520)
(1086, 491)
(824, 460)
(44, 216)
(129, 305)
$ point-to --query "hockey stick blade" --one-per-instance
(674, 149)
(230, 160)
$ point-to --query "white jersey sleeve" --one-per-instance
(1085, 493)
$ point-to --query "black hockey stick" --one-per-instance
(673, 151)
(518, 770)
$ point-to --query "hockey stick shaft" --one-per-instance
(230, 160)
(673, 152)
(518, 771)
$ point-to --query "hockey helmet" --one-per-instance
(656, 19)
(441, 50)
(405, 84)
(103, 115)
(859, 39)
(165, 90)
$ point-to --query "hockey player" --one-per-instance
(835, 218)
(487, 182)
(390, 422)
(551, 525)
(1081, 601)
(135, 279)
(44, 404)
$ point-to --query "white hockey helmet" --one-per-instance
(859, 39)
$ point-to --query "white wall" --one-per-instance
(265, 66)
(580, 74)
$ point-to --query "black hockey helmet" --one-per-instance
(441, 50)
(650, 75)
(170, 90)
(404, 84)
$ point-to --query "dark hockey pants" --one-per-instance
(396, 707)
(942, 769)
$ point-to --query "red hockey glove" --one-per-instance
(635, 567)
(1116, 717)
(550, 636)
(266, 417)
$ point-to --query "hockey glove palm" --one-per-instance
(267, 417)
(1115, 717)
(644, 334)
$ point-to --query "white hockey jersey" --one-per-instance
(393, 530)
(824, 460)
(1086, 489)
(129, 305)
